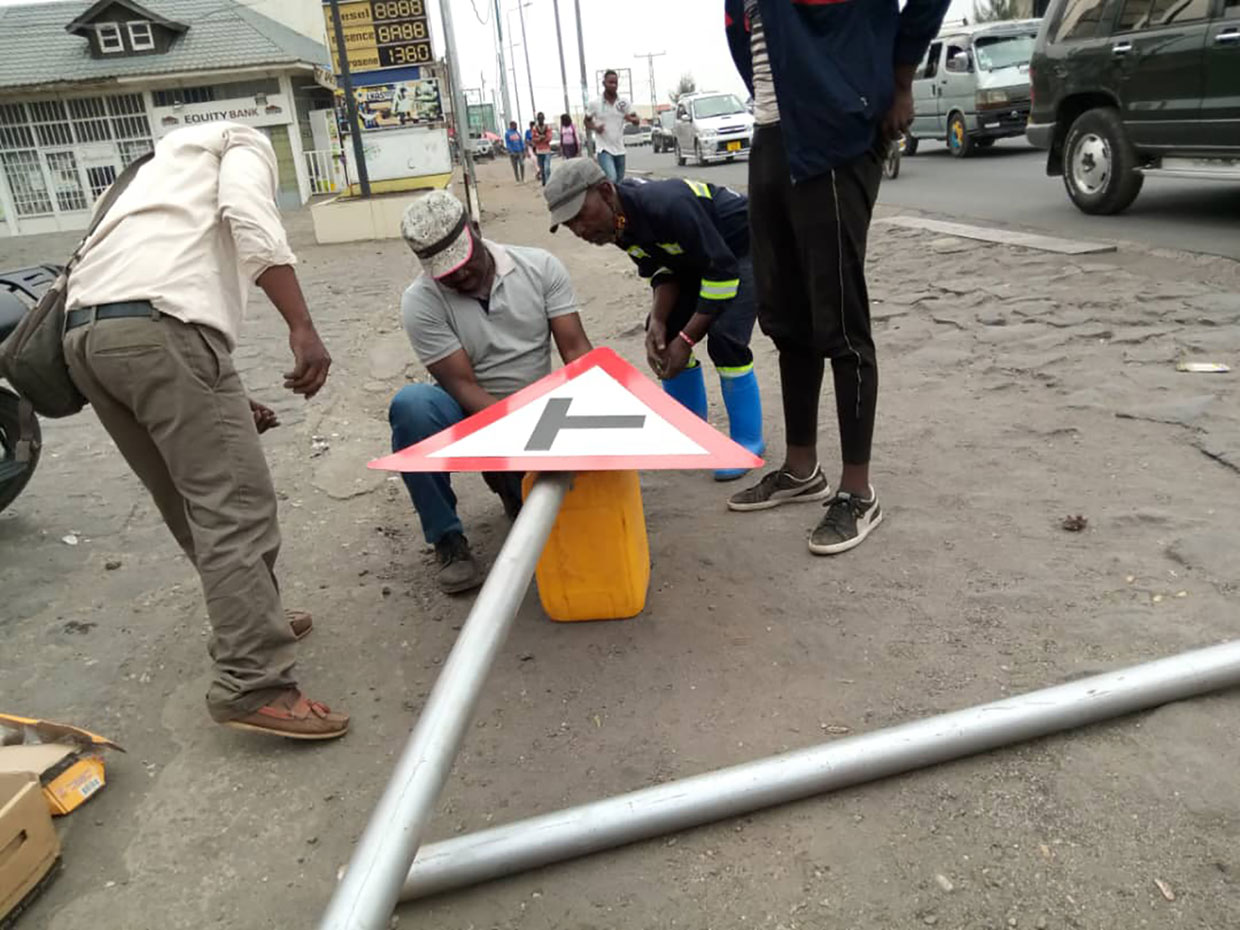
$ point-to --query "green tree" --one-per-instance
(990, 11)
(686, 85)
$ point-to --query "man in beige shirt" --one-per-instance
(154, 310)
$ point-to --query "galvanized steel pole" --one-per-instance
(368, 893)
(585, 93)
(460, 114)
(559, 40)
(676, 805)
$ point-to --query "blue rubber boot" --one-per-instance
(689, 387)
(744, 404)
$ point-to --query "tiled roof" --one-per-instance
(35, 49)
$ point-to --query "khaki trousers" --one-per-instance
(169, 396)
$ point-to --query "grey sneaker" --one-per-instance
(781, 487)
(848, 521)
(458, 571)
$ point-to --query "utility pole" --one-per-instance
(585, 88)
(503, 66)
(460, 115)
(350, 101)
(654, 98)
(559, 40)
(516, 82)
(526, 43)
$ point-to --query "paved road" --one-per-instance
(1008, 185)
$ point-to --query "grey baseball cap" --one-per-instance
(566, 191)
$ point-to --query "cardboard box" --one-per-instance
(66, 759)
(28, 844)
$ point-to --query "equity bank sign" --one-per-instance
(270, 111)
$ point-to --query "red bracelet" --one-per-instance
(687, 338)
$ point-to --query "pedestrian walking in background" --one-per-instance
(814, 172)
(515, 145)
(570, 145)
(606, 116)
(542, 136)
(154, 311)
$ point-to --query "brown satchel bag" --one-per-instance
(32, 358)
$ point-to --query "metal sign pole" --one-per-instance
(460, 114)
(350, 101)
(525, 42)
(368, 893)
(854, 760)
(559, 40)
(503, 66)
(585, 90)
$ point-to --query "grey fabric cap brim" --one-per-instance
(567, 210)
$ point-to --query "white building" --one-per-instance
(87, 88)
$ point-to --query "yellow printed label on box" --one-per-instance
(75, 785)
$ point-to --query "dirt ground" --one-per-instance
(1018, 388)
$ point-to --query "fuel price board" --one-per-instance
(381, 34)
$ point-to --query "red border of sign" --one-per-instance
(721, 452)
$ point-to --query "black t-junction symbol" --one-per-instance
(555, 418)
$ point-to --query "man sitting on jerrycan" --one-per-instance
(481, 318)
(690, 239)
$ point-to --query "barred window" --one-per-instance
(15, 132)
(129, 116)
(134, 149)
(90, 119)
(66, 181)
(100, 180)
(25, 176)
(51, 122)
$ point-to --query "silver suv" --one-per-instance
(712, 126)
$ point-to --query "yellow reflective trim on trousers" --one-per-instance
(719, 290)
(672, 248)
(738, 371)
(638, 252)
(700, 188)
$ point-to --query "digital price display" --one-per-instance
(382, 34)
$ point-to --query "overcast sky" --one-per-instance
(689, 32)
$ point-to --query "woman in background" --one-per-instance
(570, 145)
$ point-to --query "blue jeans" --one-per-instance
(418, 412)
(612, 165)
(544, 165)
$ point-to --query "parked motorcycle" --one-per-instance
(19, 291)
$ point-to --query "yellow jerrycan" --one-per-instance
(596, 564)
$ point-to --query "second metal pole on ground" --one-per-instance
(371, 886)
(854, 760)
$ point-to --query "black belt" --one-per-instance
(117, 311)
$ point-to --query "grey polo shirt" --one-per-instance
(509, 346)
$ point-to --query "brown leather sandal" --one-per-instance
(300, 622)
(294, 716)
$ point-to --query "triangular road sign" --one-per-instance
(598, 413)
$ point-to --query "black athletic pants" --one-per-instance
(808, 243)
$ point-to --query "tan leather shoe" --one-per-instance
(300, 622)
(294, 716)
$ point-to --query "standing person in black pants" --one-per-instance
(832, 83)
